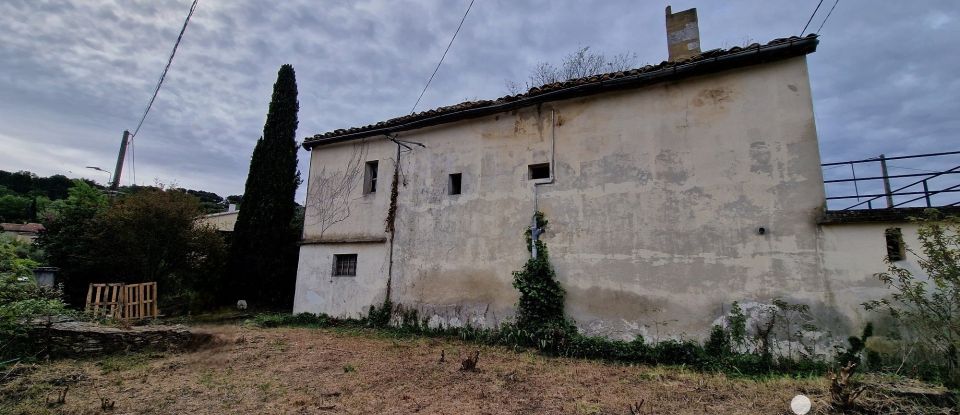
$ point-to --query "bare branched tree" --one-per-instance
(329, 193)
(578, 64)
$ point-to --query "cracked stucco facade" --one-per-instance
(654, 214)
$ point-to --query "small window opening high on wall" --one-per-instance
(453, 184)
(539, 171)
(895, 248)
(370, 177)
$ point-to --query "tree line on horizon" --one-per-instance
(24, 195)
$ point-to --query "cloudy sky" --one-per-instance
(75, 74)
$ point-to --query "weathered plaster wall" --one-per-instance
(654, 214)
(363, 218)
(852, 254)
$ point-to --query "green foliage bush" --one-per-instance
(380, 316)
(21, 300)
(149, 235)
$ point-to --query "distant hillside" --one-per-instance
(23, 194)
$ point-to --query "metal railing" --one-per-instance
(934, 188)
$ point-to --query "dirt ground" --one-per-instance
(312, 371)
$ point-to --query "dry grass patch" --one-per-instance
(294, 371)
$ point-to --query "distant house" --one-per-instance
(26, 232)
(223, 221)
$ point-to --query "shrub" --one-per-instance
(150, 235)
(380, 316)
(929, 308)
(21, 300)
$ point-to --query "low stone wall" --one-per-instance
(81, 339)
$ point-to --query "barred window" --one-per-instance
(345, 265)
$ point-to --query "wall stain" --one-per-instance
(760, 158)
(714, 96)
(670, 168)
(614, 304)
(459, 287)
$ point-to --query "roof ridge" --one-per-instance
(543, 90)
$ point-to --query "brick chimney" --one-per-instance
(683, 34)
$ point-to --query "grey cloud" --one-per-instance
(74, 74)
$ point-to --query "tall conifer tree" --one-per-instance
(263, 253)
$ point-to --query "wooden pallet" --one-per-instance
(123, 301)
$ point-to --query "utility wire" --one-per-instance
(811, 18)
(911, 168)
(828, 16)
(441, 58)
(164, 74)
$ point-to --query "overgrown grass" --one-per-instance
(687, 353)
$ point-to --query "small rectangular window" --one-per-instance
(453, 184)
(345, 265)
(370, 177)
(539, 171)
(895, 248)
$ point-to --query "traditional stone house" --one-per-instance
(221, 221)
(671, 191)
(27, 232)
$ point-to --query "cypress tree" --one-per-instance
(263, 252)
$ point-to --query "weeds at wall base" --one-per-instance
(688, 354)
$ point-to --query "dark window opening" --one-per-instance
(539, 171)
(453, 186)
(895, 248)
(370, 178)
(345, 265)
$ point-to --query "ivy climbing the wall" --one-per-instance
(540, 309)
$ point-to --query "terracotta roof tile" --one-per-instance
(21, 227)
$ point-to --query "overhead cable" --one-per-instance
(811, 18)
(442, 57)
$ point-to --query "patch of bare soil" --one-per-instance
(309, 371)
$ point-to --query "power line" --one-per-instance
(828, 16)
(911, 168)
(811, 18)
(165, 69)
(441, 58)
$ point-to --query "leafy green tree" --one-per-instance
(20, 298)
(263, 251)
(14, 208)
(148, 235)
(153, 235)
(20, 182)
(68, 242)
